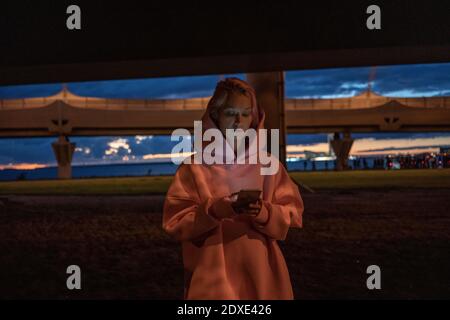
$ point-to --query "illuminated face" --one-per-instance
(236, 113)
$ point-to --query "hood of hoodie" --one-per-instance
(258, 116)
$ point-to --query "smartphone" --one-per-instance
(245, 197)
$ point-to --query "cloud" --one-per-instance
(403, 80)
(139, 139)
(368, 145)
(22, 166)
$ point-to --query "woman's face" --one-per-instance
(236, 113)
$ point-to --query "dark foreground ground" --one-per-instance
(123, 252)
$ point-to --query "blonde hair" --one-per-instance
(223, 89)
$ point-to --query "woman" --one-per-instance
(229, 254)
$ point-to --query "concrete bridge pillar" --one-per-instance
(269, 88)
(63, 150)
(341, 148)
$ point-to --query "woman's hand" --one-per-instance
(222, 208)
(252, 209)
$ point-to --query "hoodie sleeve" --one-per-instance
(284, 211)
(184, 217)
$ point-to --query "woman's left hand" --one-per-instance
(252, 209)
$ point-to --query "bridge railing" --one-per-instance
(434, 102)
(359, 102)
(334, 104)
(27, 103)
(364, 103)
(109, 104)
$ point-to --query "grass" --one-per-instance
(357, 179)
(134, 185)
(124, 253)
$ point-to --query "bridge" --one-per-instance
(66, 114)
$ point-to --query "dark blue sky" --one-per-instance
(406, 80)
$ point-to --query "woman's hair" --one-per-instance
(223, 89)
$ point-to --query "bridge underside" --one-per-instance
(156, 39)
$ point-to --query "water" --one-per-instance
(150, 169)
(112, 170)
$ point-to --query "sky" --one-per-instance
(400, 81)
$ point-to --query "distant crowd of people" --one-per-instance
(421, 161)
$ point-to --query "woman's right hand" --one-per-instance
(222, 208)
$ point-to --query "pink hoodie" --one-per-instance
(232, 258)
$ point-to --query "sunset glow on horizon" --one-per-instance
(363, 147)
